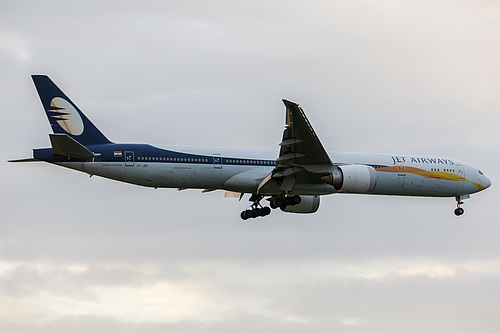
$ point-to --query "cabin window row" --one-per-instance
(234, 161)
(444, 170)
(174, 159)
(202, 160)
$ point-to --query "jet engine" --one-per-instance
(308, 204)
(352, 178)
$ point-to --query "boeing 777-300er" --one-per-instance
(292, 178)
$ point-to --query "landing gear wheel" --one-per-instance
(265, 211)
(296, 199)
(243, 215)
(256, 212)
(278, 202)
(283, 205)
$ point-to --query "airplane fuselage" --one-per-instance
(242, 169)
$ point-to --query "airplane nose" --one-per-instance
(487, 182)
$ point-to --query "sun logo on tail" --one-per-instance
(66, 116)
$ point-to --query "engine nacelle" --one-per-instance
(308, 204)
(353, 178)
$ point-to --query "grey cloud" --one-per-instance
(376, 77)
(415, 303)
(455, 303)
(84, 323)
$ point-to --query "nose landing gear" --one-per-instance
(459, 210)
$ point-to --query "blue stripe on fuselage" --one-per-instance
(149, 154)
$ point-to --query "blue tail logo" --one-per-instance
(64, 116)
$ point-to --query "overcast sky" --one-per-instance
(414, 77)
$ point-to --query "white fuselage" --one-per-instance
(242, 169)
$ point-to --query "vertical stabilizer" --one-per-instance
(64, 116)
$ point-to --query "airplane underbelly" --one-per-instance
(415, 185)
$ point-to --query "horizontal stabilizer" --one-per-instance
(25, 160)
(65, 145)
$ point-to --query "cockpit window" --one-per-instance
(480, 172)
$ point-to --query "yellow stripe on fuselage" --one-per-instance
(443, 175)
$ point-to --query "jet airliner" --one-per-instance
(292, 177)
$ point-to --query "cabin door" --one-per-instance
(217, 161)
(129, 158)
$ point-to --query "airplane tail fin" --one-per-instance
(64, 116)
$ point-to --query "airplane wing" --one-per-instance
(302, 157)
(300, 145)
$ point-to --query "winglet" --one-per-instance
(289, 105)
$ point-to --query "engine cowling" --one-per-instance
(308, 204)
(353, 178)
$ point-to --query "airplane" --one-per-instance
(292, 178)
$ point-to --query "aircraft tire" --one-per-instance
(278, 202)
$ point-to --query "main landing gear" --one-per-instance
(256, 210)
(284, 201)
(459, 211)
